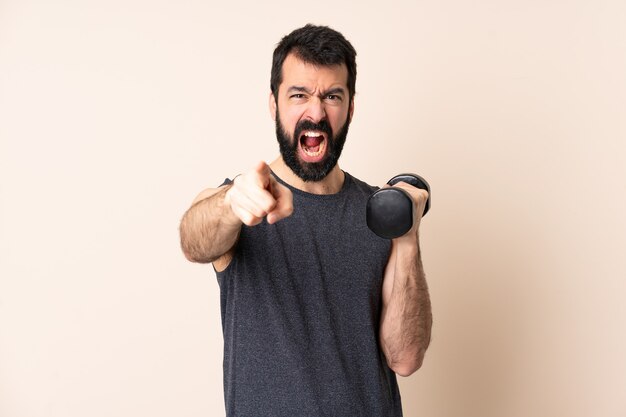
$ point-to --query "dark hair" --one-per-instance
(317, 45)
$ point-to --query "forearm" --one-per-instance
(406, 317)
(209, 229)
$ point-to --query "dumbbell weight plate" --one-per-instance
(390, 210)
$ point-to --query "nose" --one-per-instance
(315, 110)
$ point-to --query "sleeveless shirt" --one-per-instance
(300, 305)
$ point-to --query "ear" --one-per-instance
(272, 106)
(351, 110)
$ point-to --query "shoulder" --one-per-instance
(359, 185)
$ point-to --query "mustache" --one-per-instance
(322, 126)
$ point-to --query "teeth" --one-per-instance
(312, 134)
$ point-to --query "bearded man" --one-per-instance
(318, 313)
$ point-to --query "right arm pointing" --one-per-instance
(210, 228)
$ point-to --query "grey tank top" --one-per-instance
(300, 304)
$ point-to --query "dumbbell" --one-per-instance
(389, 211)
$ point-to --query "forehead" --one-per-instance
(302, 74)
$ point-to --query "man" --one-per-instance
(318, 312)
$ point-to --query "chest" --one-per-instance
(324, 247)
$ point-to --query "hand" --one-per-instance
(419, 197)
(256, 195)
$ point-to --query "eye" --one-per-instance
(297, 96)
(333, 97)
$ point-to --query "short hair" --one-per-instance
(317, 45)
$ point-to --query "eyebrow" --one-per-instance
(336, 90)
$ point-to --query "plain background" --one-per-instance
(115, 114)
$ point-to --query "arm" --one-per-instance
(406, 317)
(210, 229)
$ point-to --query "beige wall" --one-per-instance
(114, 114)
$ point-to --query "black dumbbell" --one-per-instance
(390, 210)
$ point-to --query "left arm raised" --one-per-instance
(406, 317)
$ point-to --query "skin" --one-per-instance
(210, 228)
(314, 93)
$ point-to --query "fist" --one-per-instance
(419, 198)
(256, 195)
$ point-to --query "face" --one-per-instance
(312, 117)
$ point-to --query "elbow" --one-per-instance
(407, 367)
(189, 253)
(190, 256)
(407, 361)
(195, 256)
(192, 253)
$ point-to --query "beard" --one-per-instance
(311, 171)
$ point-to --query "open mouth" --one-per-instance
(313, 145)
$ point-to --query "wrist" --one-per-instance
(409, 241)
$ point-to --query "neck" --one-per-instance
(330, 184)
